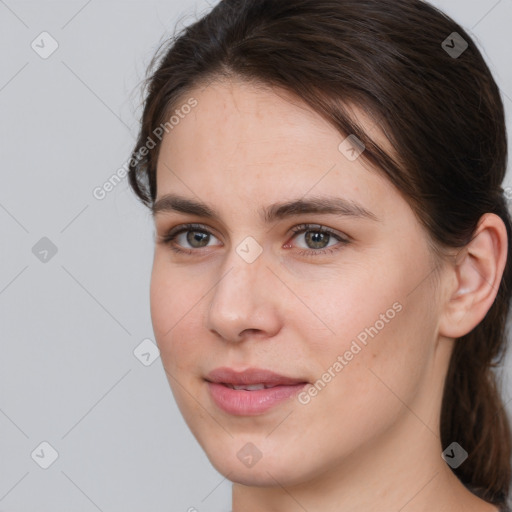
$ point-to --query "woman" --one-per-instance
(330, 283)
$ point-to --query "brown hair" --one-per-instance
(443, 116)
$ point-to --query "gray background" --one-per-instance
(70, 321)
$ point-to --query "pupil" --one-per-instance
(317, 239)
(197, 236)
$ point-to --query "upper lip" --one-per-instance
(250, 377)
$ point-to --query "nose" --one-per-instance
(244, 302)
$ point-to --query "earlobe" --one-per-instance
(478, 269)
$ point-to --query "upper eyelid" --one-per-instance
(183, 228)
(299, 228)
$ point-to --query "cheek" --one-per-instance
(175, 301)
(174, 314)
(374, 336)
(162, 301)
(380, 358)
(345, 305)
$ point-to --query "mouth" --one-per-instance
(251, 377)
(250, 392)
(252, 387)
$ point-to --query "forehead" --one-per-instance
(234, 119)
(254, 142)
(235, 113)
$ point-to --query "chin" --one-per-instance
(264, 476)
(266, 472)
(250, 479)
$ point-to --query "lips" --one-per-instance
(250, 392)
(250, 378)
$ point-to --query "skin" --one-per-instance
(370, 438)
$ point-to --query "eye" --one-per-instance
(318, 239)
(187, 238)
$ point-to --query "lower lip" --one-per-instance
(248, 403)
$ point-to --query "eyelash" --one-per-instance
(169, 238)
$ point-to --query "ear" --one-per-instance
(477, 271)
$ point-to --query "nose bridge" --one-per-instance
(240, 299)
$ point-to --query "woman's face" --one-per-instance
(345, 317)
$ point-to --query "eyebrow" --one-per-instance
(277, 211)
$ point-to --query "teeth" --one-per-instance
(252, 387)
